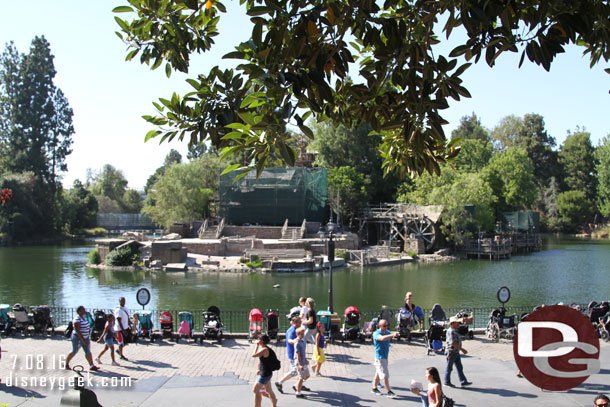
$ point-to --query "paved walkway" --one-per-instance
(189, 374)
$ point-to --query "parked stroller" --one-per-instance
(435, 337)
(166, 320)
(6, 322)
(212, 325)
(273, 324)
(99, 322)
(43, 320)
(186, 326)
(405, 321)
(464, 328)
(383, 314)
(256, 324)
(145, 328)
(22, 319)
(437, 314)
(351, 325)
(501, 324)
(600, 318)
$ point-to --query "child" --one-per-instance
(301, 357)
(108, 337)
(318, 352)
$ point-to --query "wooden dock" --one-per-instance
(499, 247)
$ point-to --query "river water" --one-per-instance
(567, 270)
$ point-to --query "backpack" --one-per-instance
(274, 363)
(447, 402)
(69, 329)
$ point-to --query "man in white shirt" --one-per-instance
(121, 325)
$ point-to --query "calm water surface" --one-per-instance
(566, 270)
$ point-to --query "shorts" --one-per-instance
(304, 373)
(264, 379)
(294, 367)
(77, 343)
(110, 342)
(382, 368)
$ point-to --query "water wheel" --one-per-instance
(422, 228)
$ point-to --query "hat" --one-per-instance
(455, 319)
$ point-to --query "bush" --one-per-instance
(412, 254)
(255, 263)
(93, 257)
(124, 256)
(342, 254)
(243, 260)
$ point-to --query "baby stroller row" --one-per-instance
(19, 319)
(270, 321)
(599, 315)
(436, 334)
(212, 326)
(501, 325)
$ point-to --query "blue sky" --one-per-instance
(109, 95)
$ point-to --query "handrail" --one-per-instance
(303, 228)
(220, 227)
(285, 227)
(202, 229)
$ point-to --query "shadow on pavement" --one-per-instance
(345, 359)
(154, 364)
(499, 392)
(20, 392)
(329, 398)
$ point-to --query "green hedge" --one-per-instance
(93, 257)
(124, 256)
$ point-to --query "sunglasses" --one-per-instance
(604, 404)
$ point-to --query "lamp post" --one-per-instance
(330, 232)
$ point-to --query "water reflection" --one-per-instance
(568, 271)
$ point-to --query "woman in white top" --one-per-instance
(81, 337)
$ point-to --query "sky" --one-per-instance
(109, 95)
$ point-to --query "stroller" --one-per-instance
(145, 329)
(256, 323)
(383, 314)
(166, 320)
(437, 332)
(600, 318)
(464, 328)
(6, 322)
(186, 326)
(501, 324)
(212, 325)
(43, 319)
(351, 325)
(273, 324)
(99, 322)
(22, 319)
(405, 320)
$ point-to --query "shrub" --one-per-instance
(255, 263)
(93, 257)
(124, 256)
(412, 254)
(341, 254)
(243, 260)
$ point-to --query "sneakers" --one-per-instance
(115, 364)
(448, 385)
(466, 383)
(93, 368)
(303, 388)
(124, 358)
(300, 395)
(391, 394)
(280, 387)
(98, 361)
(376, 391)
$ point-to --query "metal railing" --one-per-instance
(237, 321)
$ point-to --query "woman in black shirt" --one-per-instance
(262, 387)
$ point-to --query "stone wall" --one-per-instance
(261, 232)
(168, 252)
(105, 246)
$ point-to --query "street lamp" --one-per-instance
(330, 233)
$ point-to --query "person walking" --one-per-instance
(301, 358)
(264, 372)
(291, 339)
(109, 337)
(434, 395)
(454, 347)
(309, 322)
(381, 340)
(121, 326)
(318, 353)
(81, 337)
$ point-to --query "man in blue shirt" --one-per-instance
(381, 340)
(291, 339)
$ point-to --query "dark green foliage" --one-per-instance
(297, 58)
(93, 257)
(602, 155)
(470, 128)
(255, 263)
(577, 157)
(173, 157)
(80, 208)
(352, 189)
(123, 256)
(575, 209)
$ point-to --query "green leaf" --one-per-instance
(151, 134)
(248, 118)
(122, 23)
(238, 126)
(122, 9)
(230, 168)
(233, 135)
(259, 10)
(307, 131)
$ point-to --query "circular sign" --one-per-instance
(503, 295)
(143, 296)
(556, 348)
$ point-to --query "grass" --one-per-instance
(93, 232)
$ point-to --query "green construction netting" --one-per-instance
(520, 221)
(278, 194)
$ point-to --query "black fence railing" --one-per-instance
(237, 321)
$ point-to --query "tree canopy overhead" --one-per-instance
(297, 59)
